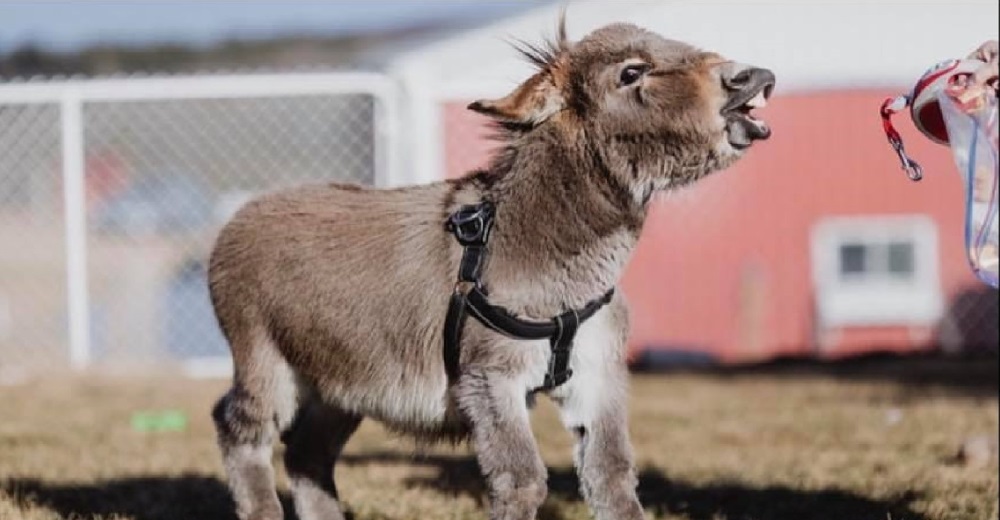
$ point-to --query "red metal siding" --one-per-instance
(725, 266)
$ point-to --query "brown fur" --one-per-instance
(333, 297)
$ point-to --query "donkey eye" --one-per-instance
(632, 73)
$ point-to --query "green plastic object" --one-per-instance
(159, 421)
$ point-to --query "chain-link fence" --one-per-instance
(164, 165)
(32, 256)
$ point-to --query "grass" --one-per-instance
(872, 441)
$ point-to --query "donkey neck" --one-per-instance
(563, 233)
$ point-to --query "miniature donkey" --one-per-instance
(333, 297)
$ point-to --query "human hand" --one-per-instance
(986, 75)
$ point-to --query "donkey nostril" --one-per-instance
(740, 80)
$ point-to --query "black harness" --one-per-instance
(471, 225)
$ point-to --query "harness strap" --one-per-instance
(454, 322)
(471, 267)
(501, 320)
(471, 226)
(562, 346)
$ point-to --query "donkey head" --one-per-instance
(655, 113)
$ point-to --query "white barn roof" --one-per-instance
(809, 44)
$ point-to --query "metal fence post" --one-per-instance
(75, 211)
(388, 173)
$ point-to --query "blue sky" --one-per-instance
(68, 25)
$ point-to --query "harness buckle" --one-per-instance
(471, 224)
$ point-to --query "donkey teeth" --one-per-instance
(758, 101)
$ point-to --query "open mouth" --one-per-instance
(742, 127)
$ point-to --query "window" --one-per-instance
(876, 270)
(852, 259)
(877, 259)
(900, 259)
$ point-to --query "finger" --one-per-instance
(986, 74)
(986, 52)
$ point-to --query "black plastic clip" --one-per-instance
(471, 224)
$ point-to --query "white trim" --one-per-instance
(424, 140)
(471, 90)
(876, 300)
(199, 87)
(388, 146)
(75, 215)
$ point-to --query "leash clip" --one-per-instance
(912, 168)
(889, 108)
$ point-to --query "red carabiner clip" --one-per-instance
(889, 108)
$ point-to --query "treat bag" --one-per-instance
(970, 115)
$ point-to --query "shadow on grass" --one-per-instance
(457, 475)
(972, 374)
(195, 497)
(184, 497)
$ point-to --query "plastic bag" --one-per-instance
(970, 116)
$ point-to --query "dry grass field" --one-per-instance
(876, 440)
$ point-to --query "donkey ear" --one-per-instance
(531, 103)
(542, 95)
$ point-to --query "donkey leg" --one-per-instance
(604, 463)
(496, 408)
(593, 406)
(313, 444)
(247, 419)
